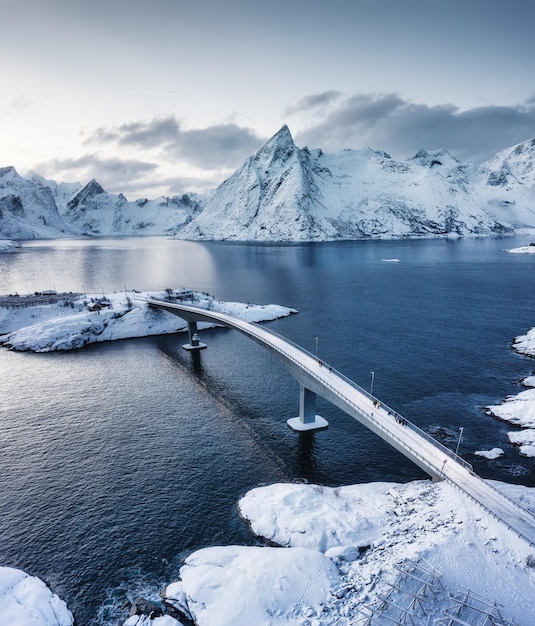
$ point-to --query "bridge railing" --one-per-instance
(516, 505)
(374, 399)
(355, 386)
(263, 330)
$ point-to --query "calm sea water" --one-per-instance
(118, 460)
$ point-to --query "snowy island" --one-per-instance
(47, 321)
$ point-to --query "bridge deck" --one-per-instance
(436, 460)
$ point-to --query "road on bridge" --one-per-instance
(434, 458)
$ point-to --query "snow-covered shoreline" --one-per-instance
(7, 245)
(346, 548)
(72, 321)
(523, 250)
(519, 409)
(343, 550)
(26, 601)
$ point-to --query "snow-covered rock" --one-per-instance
(6, 245)
(520, 409)
(495, 453)
(246, 585)
(525, 440)
(26, 601)
(523, 250)
(525, 344)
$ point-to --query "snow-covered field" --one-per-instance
(69, 323)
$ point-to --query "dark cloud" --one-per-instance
(387, 122)
(159, 132)
(221, 146)
(314, 101)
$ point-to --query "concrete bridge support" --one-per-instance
(307, 420)
(194, 342)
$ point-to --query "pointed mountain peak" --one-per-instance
(434, 158)
(9, 173)
(86, 193)
(280, 138)
(92, 188)
(277, 148)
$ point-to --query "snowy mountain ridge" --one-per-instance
(287, 193)
(37, 208)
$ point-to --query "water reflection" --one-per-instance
(305, 459)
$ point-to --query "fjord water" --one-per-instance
(119, 459)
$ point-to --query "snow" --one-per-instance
(525, 344)
(143, 620)
(495, 453)
(26, 601)
(264, 586)
(68, 324)
(6, 245)
(520, 411)
(520, 408)
(523, 250)
(525, 440)
(345, 547)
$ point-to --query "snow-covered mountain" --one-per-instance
(94, 212)
(285, 193)
(36, 208)
(28, 211)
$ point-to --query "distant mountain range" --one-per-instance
(286, 193)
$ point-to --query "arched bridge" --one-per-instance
(318, 378)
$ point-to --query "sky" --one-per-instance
(162, 97)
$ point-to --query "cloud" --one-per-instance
(221, 146)
(387, 122)
(159, 132)
(131, 177)
(314, 101)
(111, 173)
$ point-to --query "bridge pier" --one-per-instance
(307, 419)
(194, 343)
